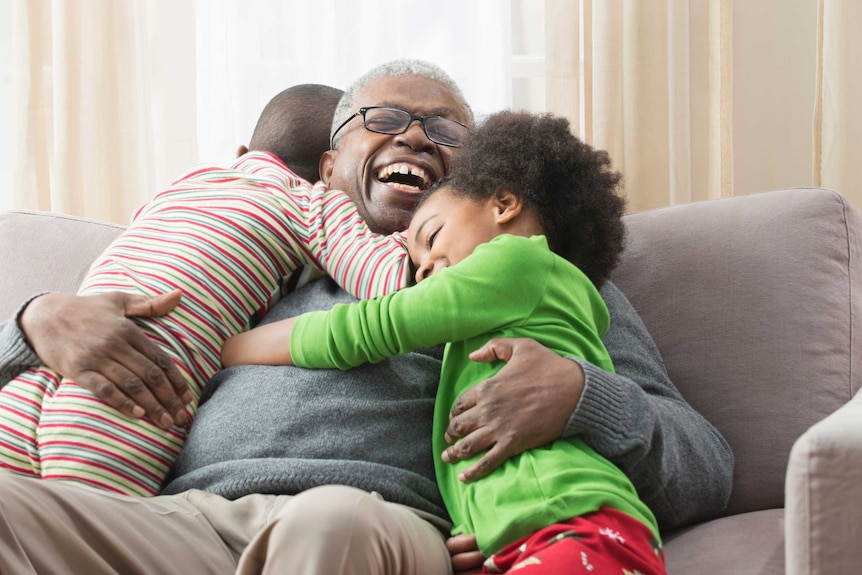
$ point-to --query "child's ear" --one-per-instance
(507, 205)
(327, 164)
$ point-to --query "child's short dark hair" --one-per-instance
(570, 186)
(294, 126)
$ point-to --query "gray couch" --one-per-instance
(756, 305)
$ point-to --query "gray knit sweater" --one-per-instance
(264, 429)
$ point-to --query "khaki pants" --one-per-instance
(51, 527)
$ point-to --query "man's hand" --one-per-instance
(465, 554)
(525, 405)
(91, 340)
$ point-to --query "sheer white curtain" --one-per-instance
(109, 100)
(249, 51)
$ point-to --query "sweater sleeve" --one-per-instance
(16, 355)
(333, 237)
(364, 264)
(318, 226)
(681, 465)
(449, 306)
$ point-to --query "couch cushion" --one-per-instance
(750, 543)
(40, 251)
(752, 301)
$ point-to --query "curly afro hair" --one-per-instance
(570, 186)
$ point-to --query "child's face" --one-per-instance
(446, 229)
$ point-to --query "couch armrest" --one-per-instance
(823, 514)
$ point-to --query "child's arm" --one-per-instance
(306, 225)
(478, 296)
(265, 345)
(323, 229)
(365, 264)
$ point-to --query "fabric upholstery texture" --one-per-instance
(749, 301)
(40, 251)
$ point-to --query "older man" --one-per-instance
(296, 471)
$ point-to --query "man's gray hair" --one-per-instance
(346, 106)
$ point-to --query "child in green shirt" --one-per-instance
(513, 244)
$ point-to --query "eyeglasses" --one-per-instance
(395, 121)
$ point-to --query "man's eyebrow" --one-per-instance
(438, 111)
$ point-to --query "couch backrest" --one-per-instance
(40, 251)
(753, 302)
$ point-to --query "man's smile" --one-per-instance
(404, 177)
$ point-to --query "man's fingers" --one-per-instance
(461, 425)
(118, 380)
(142, 306)
(154, 368)
(162, 377)
(476, 442)
(109, 393)
(154, 382)
(466, 401)
(167, 368)
(486, 464)
(495, 349)
(162, 367)
(132, 371)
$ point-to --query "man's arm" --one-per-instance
(678, 461)
(15, 354)
(680, 464)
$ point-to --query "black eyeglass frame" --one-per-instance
(413, 117)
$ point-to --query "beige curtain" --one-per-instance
(101, 87)
(837, 112)
(657, 91)
(699, 99)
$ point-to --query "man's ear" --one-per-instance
(327, 165)
(507, 205)
(241, 151)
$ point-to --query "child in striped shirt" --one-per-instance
(229, 239)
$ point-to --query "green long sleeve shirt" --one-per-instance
(509, 287)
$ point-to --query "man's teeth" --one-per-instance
(404, 169)
(403, 187)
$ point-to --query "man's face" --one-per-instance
(371, 167)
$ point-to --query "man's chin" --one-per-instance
(390, 220)
(395, 205)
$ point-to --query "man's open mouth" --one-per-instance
(404, 177)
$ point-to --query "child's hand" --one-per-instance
(465, 554)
